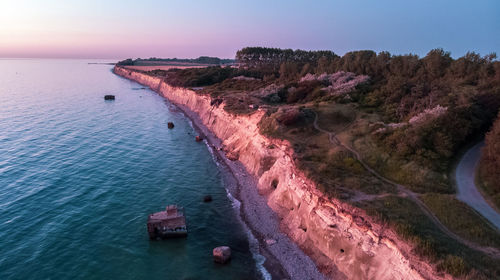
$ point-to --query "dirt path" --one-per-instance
(405, 192)
(467, 189)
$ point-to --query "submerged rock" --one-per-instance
(207, 198)
(222, 254)
(109, 97)
(170, 125)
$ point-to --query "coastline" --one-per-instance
(305, 231)
(255, 213)
(284, 259)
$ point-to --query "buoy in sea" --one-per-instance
(109, 97)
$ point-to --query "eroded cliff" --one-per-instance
(333, 233)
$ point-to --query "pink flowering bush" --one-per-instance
(428, 114)
(339, 83)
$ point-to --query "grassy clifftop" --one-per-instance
(379, 131)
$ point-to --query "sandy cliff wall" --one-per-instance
(330, 231)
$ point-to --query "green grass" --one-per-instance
(334, 169)
(338, 174)
(405, 171)
(335, 117)
(355, 128)
(412, 225)
(462, 219)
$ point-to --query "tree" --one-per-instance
(490, 163)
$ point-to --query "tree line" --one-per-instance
(489, 171)
(401, 87)
(200, 60)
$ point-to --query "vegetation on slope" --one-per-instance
(489, 171)
(405, 116)
(412, 225)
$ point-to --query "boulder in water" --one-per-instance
(109, 97)
(222, 254)
(198, 138)
(170, 125)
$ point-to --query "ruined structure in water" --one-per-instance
(168, 223)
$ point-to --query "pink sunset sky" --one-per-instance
(121, 29)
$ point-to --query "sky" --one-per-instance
(188, 28)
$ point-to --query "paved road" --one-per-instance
(467, 189)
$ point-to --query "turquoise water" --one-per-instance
(78, 177)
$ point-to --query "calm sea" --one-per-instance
(79, 176)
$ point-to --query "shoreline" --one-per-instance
(284, 259)
(243, 187)
(232, 185)
(306, 233)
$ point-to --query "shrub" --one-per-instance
(454, 265)
(490, 163)
(289, 117)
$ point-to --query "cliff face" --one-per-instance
(330, 231)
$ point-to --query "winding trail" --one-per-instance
(467, 189)
(405, 192)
